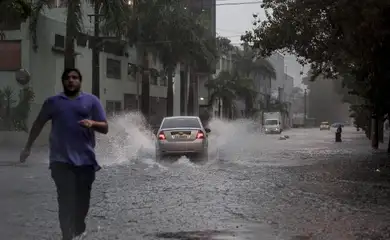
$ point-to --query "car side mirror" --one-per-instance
(207, 130)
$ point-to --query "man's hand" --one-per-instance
(87, 123)
(24, 154)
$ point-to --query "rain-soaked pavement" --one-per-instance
(253, 187)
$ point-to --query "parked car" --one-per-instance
(325, 126)
(182, 135)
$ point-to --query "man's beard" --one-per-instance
(71, 93)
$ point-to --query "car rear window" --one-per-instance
(324, 123)
(181, 123)
(271, 122)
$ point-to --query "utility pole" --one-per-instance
(140, 66)
(304, 107)
(138, 52)
(96, 51)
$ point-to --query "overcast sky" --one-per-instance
(234, 20)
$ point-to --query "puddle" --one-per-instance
(237, 231)
(195, 235)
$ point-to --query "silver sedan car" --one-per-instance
(182, 135)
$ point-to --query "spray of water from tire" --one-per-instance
(130, 140)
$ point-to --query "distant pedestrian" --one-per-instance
(75, 117)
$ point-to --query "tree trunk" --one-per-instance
(191, 100)
(388, 145)
(387, 131)
(380, 130)
(374, 132)
(219, 107)
(170, 92)
(368, 130)
(248, 106)
(145, 94)
(71, 32)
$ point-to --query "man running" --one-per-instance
(75, 117)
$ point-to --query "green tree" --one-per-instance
(168, 30)
(113, 11)
(13, 11)
(249, 65)
(334, 37)
(184, 40)
(228, 87)
(224, 46)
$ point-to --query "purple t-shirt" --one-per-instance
(69, 141)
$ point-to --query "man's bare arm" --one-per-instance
(100, 127)
(36, 129)
(43, 117)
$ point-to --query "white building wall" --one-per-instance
(46, 67)
(288, 88)
(277, 60)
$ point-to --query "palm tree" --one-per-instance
(249, 65)
(227, 87)
(170, 32)
(111, 11)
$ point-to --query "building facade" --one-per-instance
(288, 97)
(118, 87)
(277, 61)
(224, 63)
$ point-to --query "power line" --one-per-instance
(230, 31)
(237, 3)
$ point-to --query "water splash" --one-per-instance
(130, 140)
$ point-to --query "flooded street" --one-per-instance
(253, 187)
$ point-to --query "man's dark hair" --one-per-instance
(68, 70)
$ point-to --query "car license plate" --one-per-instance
(181, 136)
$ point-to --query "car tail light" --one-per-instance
(200, 135)
(161, 136)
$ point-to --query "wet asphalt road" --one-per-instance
(253, 187)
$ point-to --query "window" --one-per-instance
(163, 81)
(271, 122)
(218, 64)
(132, 72)
(154, 76)
(163, 78)
(187, 122)
(130, 102)
(114, 48)
(113, 68)
(154, 79)
(59, 41)
(11, 53)
(113, 107)
(82, 40)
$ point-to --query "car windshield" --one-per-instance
(271, 122)
(325, 123)
(181, 123)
